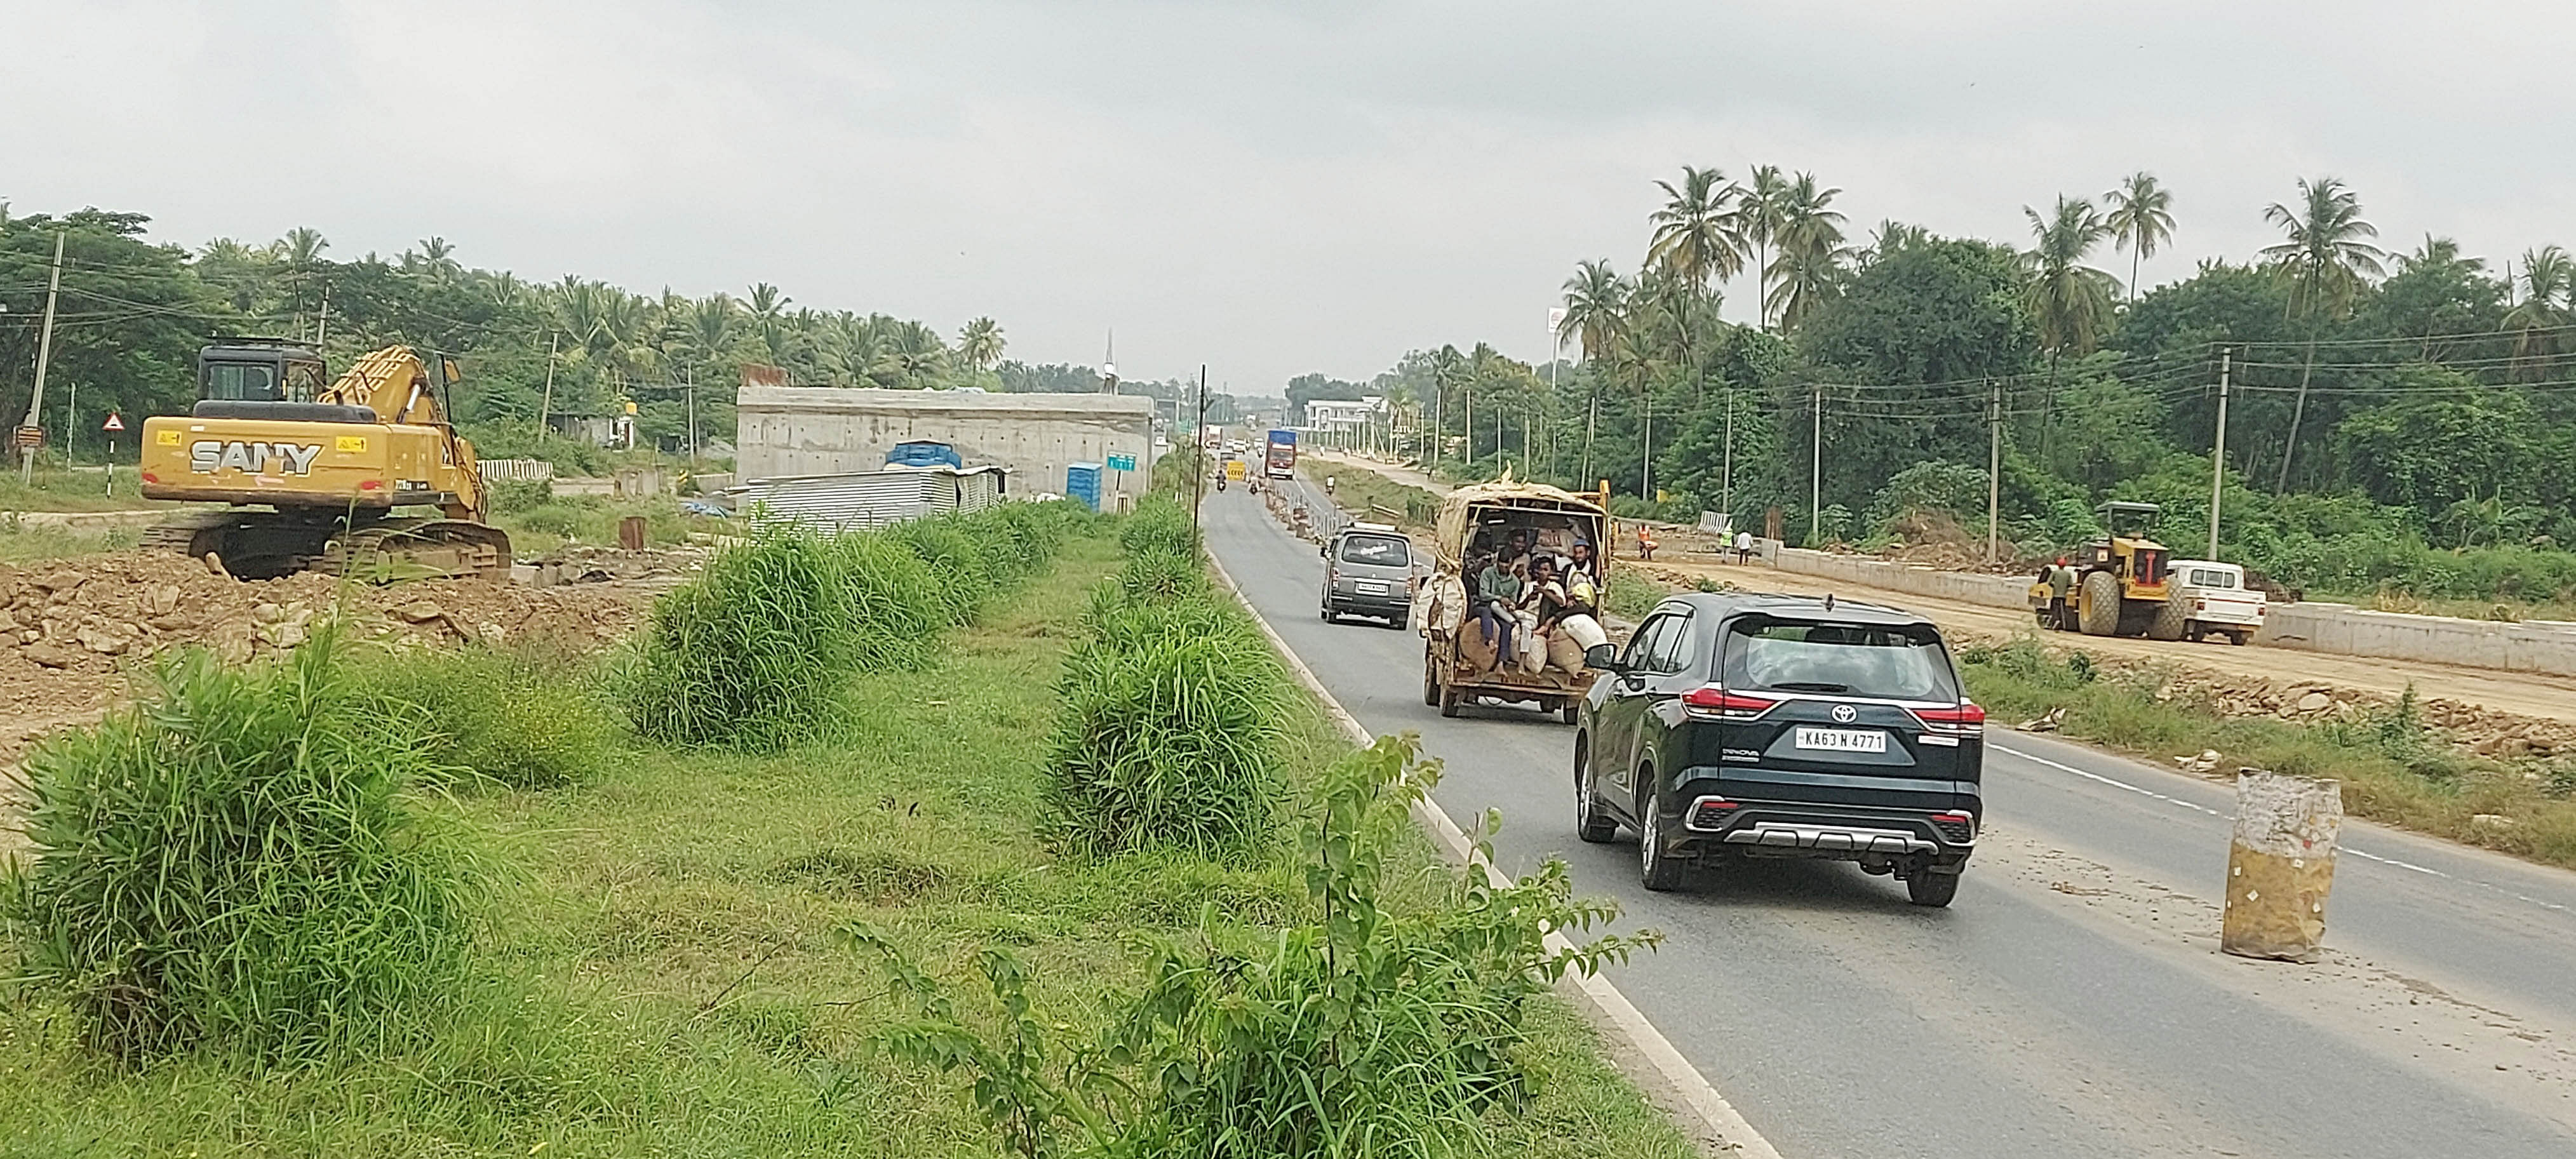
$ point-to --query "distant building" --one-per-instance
(786, 431)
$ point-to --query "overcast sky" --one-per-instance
(1267, 186)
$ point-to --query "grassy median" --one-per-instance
(668, 969)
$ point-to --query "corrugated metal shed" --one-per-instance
(858, 501)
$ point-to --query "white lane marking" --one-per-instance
(1718, 1115)
(2114, 783)
(2365, 855)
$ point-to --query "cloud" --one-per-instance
(1268, 187)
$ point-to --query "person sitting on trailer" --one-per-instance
(1499, 589)
(1582, 561)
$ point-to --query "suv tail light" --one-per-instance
(1966, 720)
(1711, 702)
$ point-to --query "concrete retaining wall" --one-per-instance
(796, 430)
(2543, 646)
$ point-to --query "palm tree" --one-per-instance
(438, 256)
(1892, 237)
(1757, 220)
(1695, 236)
(1596, 315)
(301, 250)
(2141, 219)
(1810, 237)
(2546, 284)
(2069, 301)
(913, 356)
(979, 345)
(2326, 263)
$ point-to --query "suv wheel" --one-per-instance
(1590, 823)
(1926, 888)
(1656, 870)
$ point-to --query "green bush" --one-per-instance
(520, 720)
(1372, 1031)
(751, 654)
(232, 864)
(1172, 739)
(514, 496)
(956, 559)
(1158, 527)
(898, 605)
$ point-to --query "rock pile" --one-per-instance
(2483, 731)
(88, 615)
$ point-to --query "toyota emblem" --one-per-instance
(1843, 713)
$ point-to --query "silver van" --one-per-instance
(1368, 571)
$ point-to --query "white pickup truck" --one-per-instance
(2214, 600)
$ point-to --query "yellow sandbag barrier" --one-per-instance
(2280, 865)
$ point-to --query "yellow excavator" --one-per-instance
(314, 468)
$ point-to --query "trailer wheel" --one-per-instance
(1448, 699)
(1430, 679)
(2099, 614)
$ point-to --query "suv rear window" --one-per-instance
(1899, 663)
(1377, 551)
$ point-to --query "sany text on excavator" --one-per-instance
(330, 460)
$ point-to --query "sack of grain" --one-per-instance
(1585, 630)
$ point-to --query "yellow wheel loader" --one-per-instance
(2122, 583)
(315, 469)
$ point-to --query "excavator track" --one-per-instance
(269, 544)
(399, 549)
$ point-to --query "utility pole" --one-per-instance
(546, 401)
(322, 329)
(2218, 449)
(1468, 430)
(1994, 466)
(689, 381)
(71, 417)
(44, 356)
(1726, 461)
(1816, 465)
(1199, 462)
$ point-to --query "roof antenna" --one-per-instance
(1829, 601)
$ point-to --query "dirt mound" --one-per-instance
(86, 616)
(2472, 728)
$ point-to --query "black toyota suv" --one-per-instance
(1783, 726)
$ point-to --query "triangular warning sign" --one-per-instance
(113, 423)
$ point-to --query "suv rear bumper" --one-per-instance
(1874, 836)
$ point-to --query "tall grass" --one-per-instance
(753, 653)
(517, 719)
(750, 654)
(232, 864)
(1170, 729)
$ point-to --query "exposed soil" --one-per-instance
(2517, 694)
(76, 634)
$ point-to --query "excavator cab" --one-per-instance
(259, 370)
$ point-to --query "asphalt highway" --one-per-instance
(2072, 1001)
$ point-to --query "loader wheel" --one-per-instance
(2172, 619)
(2100, 611)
